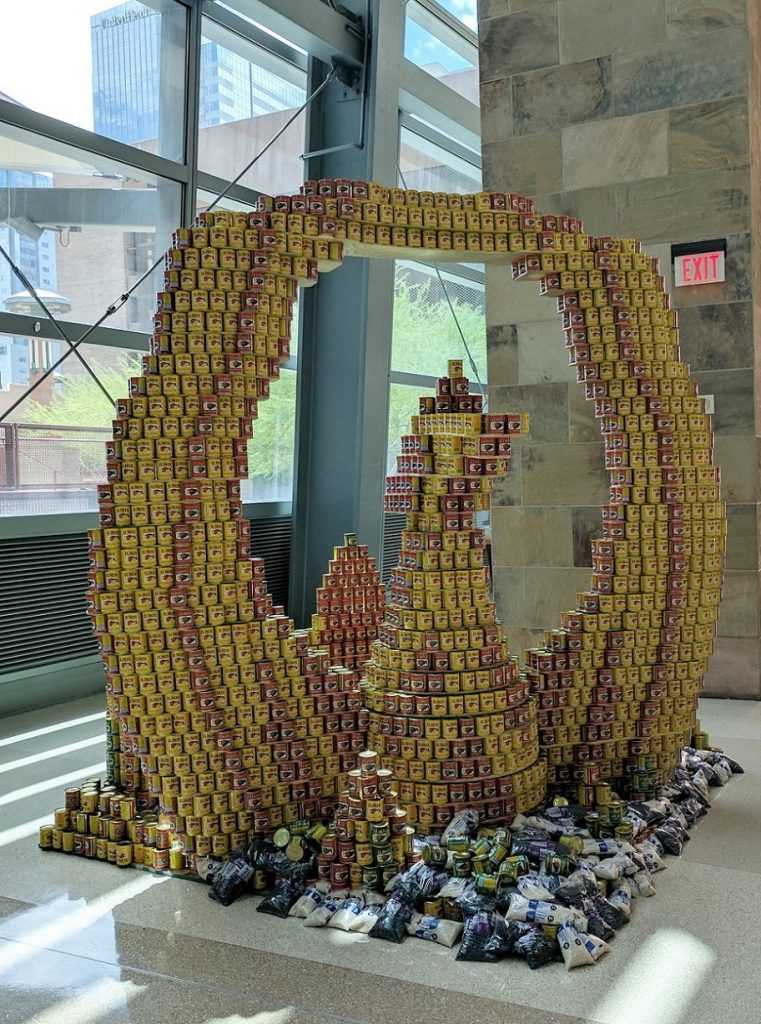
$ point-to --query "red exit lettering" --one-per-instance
(699, 268)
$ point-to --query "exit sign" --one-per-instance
(697, 263)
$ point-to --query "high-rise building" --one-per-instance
(126, 52)
(36, 258)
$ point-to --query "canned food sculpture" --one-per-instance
(369, 840)
(209, 687)
(350, 605)
(617, 683)
(449, 712)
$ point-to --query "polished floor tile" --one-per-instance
(81, 940)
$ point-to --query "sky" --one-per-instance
(58, 53)
(52, 73)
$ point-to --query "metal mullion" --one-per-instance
(192, 108)
(424, 96)
(426, 131)
(22, 325)
(316, 27)
(423, 380)
(252, 33)
(214, 184)
(50, 128)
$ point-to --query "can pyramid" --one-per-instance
(369, 840)
(350, 605)
(449, 714)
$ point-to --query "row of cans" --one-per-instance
(479, 680)
(467, 714)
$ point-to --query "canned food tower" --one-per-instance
(449, 714)
(180, 608)
(227, 722)
(617, 683)
(350, 605)
(369, 841)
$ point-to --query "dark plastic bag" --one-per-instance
(393, 919)
(231, 881)
(535, 947)
(282, 899)
(503, 937)
(419, 882)
(672, 836)
(476, 938)
(472, 902)
(610, 914)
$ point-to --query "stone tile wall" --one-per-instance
(634, 116)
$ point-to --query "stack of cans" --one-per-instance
(369, 841)
(350, 604)
(619, 680)
(449, 713)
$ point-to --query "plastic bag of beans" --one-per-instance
(642, 884)
(453, 888)
(621, 898)
(418, 882)
(393, 919)
(476, 938)
(434, 929)
(464, 823)
(535, 947)
(503, 937)
(279, 903)
(671, 835)
(542, 912)
(231, 881)
(311, 898)
(600, 847)
(534, 887)
(612, 867)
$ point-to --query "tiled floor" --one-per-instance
(82, 941)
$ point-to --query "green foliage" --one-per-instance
(425, 338)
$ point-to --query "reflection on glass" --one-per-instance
(52, 447)
(424, 165)
(116, 69)
(402, 403)
(425, 334)
(271, 451)
(246, 96)
(440, 50)
(82, 227)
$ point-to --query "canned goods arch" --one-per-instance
(619, 679)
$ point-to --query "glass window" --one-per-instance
(441, 50)
(247, 95)
(425, 334)
(425, 165)
(402, 404)
(52, 447)
(82, 229)
(271, 450)
(464, 10)
(115, 69)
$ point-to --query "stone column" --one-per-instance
(633, 117)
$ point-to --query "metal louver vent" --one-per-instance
(43, 616)
(271, 540)
(393, 524)
(43, 582)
